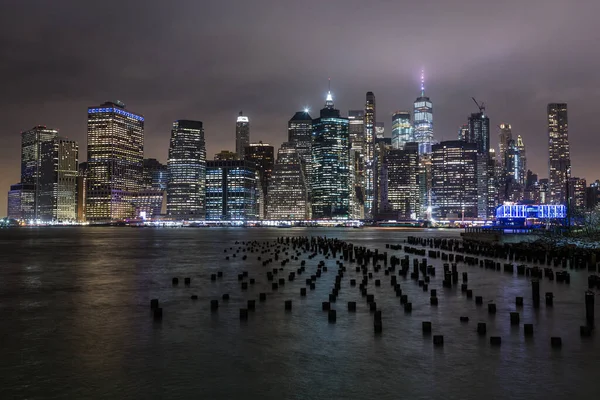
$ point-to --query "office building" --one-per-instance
(454, 180)
(242, 135)
(331, 171)
(559, 161)
(577, 196)
(288, 190)
(402, 130)
(300, 134)
(57, 191)
(263, 156)
(379, 129)
(369, 155)
(186, 170)
(31, 159)
(479, 134)
(463, 132)
(423, 120)
(380, 201)
(155, 174)
(231, 190)
(356, 129)
(115, 153)
(403, 180)
(21, 202)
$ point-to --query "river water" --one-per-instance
(76, 324)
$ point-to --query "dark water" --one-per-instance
(75, 323)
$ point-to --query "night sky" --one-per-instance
(207, 60)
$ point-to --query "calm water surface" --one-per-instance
(75, 323)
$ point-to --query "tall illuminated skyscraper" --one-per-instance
(287, 196)
(369, 155)
(403, 180)
(231, 190)
(186, 170)
(242, 134)
(263, 156)
(115, 152)
(479, 134)
(58, 180)
(559, 160)
(402, 130)
(331, 173)
(504, 136)
(423, 120)
(31, 160)
(300, 134)
(356, 120)
(454, 180)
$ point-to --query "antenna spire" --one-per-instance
(329, 99)
(422, 82)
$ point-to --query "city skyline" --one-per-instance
(513, 71)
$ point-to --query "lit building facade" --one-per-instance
(31, 160)
(379, 129)
(356, 130)
(403, 180)
(21, 201)
(58, 181)
(226, 155)
(454, 180)
(155, 174)
(369, 155)
(330, 182)
(231, 190)
(577, 188)
(242, 134)
(559, 162)
(423, 120)
(263, 157)
(288, 194)
(115, 152)
(402, 130)
(186, 169)
(479, 135)
(300, 134)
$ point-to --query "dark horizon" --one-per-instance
(187, 60)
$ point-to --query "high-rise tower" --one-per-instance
(369, 155)
(331, 173)
(423, 120)
(242, 134)
(402, 130)
(186, 168)
(559, 160)
(115, 151)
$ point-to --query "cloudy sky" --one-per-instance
(209, 59)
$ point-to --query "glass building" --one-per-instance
(231, 190)
(331, 171)
(300, 134)
(403, 180)
(559, 161)
(288, 194)
(242, 135)
(59, 170)
(369, 155)
(454, 180)
(402, 130)
(115, 151)
(21, 201)
(186, 168)
(31, 160)
(263, 157)
(423, 120)
(479, 134)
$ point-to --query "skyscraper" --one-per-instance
(242, 134)
(300, 133)
(369, 155)
(423, 120)
(288, 195)
(115, 152)
(330, 176)
(479, 134)
(504, 136)
(454, 180)
(155, 174)
(186, 169)
(402, 130)
(31, 160)
(230, 190)
(356, 129)
(403, 180)
(58, 180)
(263, 156)
(559, 160)
(577, 187)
